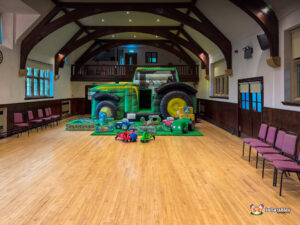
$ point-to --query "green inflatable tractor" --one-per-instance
(153, 91)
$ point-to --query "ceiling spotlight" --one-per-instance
(127, 12)
(130, 20)
(134, 36)
(102, 20)
(157, 20)
(156, 36)
(113, 35)
(266, 9)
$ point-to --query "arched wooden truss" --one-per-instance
(99, 32)
(82, 10)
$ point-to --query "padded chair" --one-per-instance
(261, 137)
(268, 144)
(54, 117)
(286, 167)
(32, 120)
(19, 123)
(41, 116)
(288, 151)
(275, 150)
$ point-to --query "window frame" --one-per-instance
(220, 87)
(295, 81)
(151, 57)
(39, 79)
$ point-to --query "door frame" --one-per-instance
(252, 79)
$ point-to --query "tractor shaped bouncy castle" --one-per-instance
(153, 91)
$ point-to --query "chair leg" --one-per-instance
(243, 148)
(283, 172)
(298, 175)
(249, 153)
(288, 173)
(275, 177)
(263, 169)
(256, 159)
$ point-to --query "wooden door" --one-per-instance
(130, 63)
(250, 95)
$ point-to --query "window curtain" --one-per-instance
(244, 87)
(255, 87)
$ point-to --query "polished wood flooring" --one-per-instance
(57, 177)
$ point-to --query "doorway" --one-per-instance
(250, 102)
(130, 63)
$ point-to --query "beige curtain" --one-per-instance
(244, 87)
(255, 87)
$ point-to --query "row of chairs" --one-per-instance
(278, 147)
(41, 120)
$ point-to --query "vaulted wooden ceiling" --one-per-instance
(181, 22)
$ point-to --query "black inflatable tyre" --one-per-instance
(169, 96)
(191, 125)
(185, 130)
(105, 96)
(110, 105)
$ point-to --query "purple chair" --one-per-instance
(41, 116)
(288, 151)
(268, 144)
(286, 167)
(55, 117)
(19, 123)
(32, 120)
(261, 137)
(276, 150)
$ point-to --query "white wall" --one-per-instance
(12, 86)
(257, 66)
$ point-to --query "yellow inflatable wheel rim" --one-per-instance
(107, 110)
(174, 104)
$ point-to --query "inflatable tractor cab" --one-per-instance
(153, 91)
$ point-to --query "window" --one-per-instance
(151, 57)
(250, 94)
(221, 86)
(220, 81)
(295, 73)
(1, 31)
(39, 83)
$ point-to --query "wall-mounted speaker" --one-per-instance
(248, 51)
(263, 41)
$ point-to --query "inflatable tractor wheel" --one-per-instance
(172, 101)
(108, 107)
(191, 125)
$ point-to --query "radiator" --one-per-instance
(3, 120)
(65, 108)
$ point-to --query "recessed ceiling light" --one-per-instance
(157, 20)
(102, 20)
(127, 12)
(130, 20)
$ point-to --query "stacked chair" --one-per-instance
(279, 148)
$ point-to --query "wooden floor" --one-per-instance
(59, 177)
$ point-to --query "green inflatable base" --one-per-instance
(195, 132)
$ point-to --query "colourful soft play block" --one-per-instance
(191, 116)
